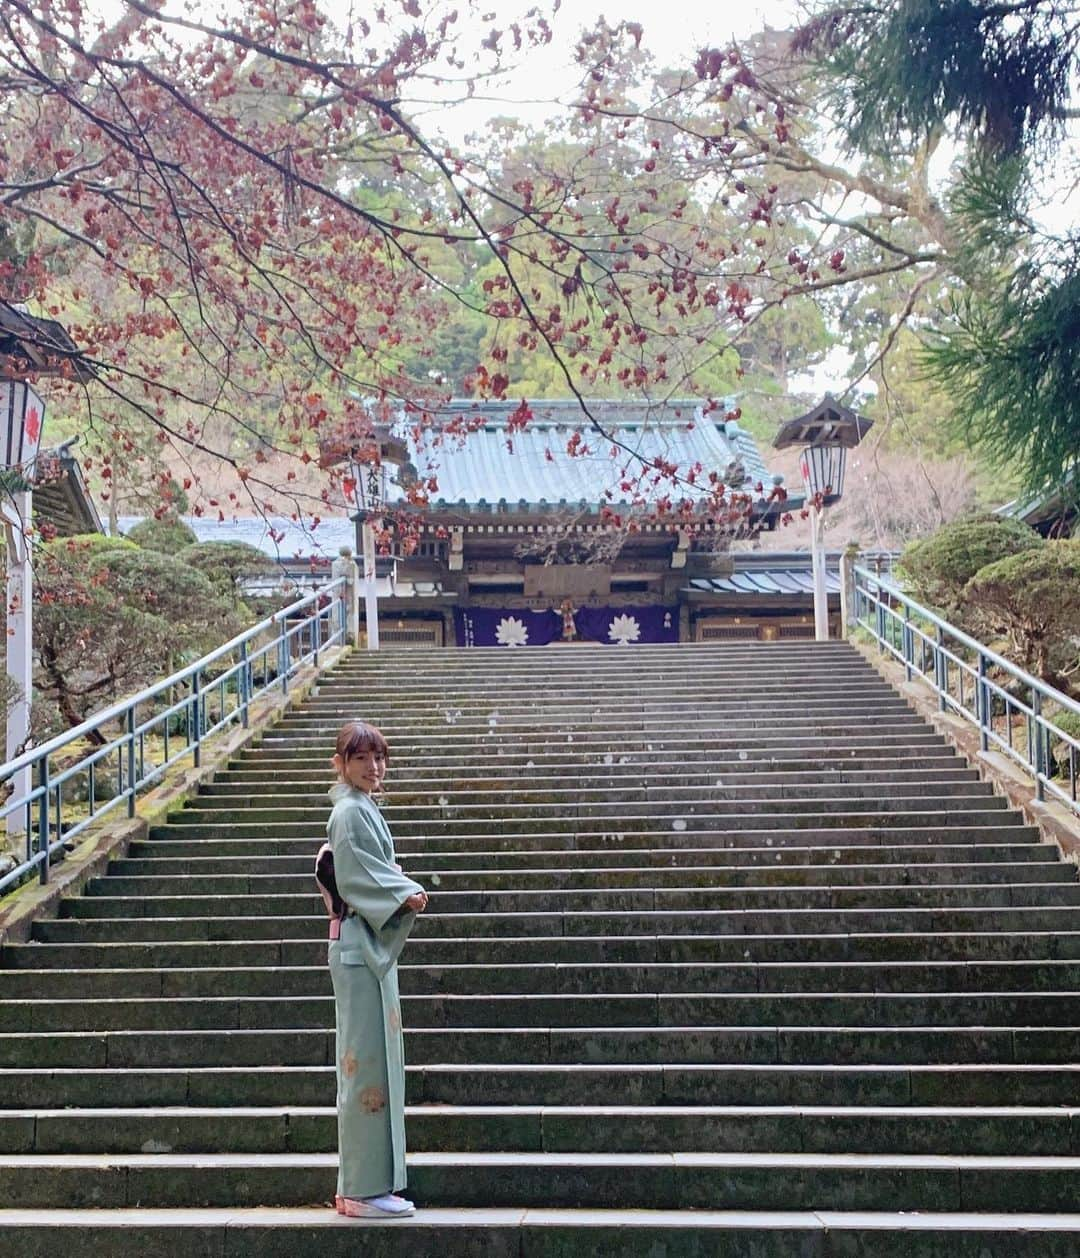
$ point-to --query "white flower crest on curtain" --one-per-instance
(511, 632)
(624, 629)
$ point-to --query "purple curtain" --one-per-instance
(618, 626)
(513, 626)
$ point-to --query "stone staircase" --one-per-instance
(728, 953)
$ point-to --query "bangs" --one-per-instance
(357, 736)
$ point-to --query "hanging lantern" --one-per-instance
(370, 482)
(826, 434)
(822, 468)
(23, 415)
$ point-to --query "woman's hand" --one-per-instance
(417, 903)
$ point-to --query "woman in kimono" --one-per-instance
(377, 906)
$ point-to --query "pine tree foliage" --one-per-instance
(998, 79)
(908, 67)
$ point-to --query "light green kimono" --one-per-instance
(363, 967)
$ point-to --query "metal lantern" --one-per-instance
(826, 433)
(370, 481)
(822, 468)
(23, 415)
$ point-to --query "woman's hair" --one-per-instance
(357, 736)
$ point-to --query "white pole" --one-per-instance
(821, 594)
(371, 593)
(20, 636)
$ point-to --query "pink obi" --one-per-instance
(335, 928)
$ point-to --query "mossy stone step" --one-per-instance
(312, 1046)
(535, 1233)
(620, 822)
(156, 860)
(831, 949)
(652, 877)
(254, 783)
(547, 978)
(676, 1011)
(457, 798)
(172, 857)
(1043, 1132)
(734, 1181)
(475, 927)
(489, 1083)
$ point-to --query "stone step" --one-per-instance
(706, 679)
(731, 1181)
(756, 949)
(641, 802)
(155, 859)
(547, 978)
(559, 1045)
(576, 761)
(830, 738)
(745, 922)
(991, 812)
(591, 848)
(427, 683)
(147, 881)
(1047, 1131)
(490, 1083)
(420, 675)
(628, 909)
(591, 717)
(588, 778)
(537, 1233)
(713, 689)
(887, 1010)
(587, 843)
(568, 798)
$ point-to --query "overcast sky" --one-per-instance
(674, 31)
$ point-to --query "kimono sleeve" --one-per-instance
(366, 881)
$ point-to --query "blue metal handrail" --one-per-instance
(1013, 711)
(183, 710)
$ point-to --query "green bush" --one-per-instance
(110, 617)
(227, 565)
(169, 535)
(937, 569)
(1068, 723)
(1033, 599)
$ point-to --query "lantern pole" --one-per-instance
(370, 491)
(817, 560)
(371, 589)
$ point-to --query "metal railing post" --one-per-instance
(982, 705)
(131, 783)
(283, 656)
(43, 819)
(316, 635)
(1038, 748)
(907, 642)
(941, 672)
(244, 680)
(197, 720)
